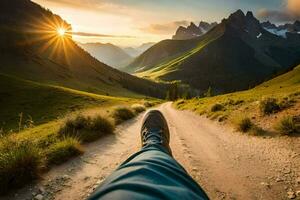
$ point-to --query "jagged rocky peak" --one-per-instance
(268, 25)
(205, 26)
(192, 30)
(239, 22)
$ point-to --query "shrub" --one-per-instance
(63, 150)
(86, 128)
(269, 106)
(122, 114)
(148, 104)
(257, 131)
(101, 124)
(20, 163)
(243, 124)
(180, 102)
(216, 107)
(286, 103)
(288, 125)
(138, 108)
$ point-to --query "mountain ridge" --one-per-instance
(108, 53)
(193, 31)
(239, 55)
(31, 49)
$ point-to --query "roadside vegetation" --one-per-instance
(43, 125)
(38, 148)
(271, 108)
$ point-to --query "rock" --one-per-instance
(298, 193)
(286, 187)
(291, 195)
(39, 197)
(279, 179)
(65, 177)
(86, 178)
(298, 180)
(42, 190)
(94, 187)
(98, 182)
(287, 171)
(265, 184)
(194, 169)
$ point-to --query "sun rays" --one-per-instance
(61, 32)
(52, 36)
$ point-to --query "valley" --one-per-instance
(71, 111)
(206, 61)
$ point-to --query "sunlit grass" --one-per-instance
(269, 98)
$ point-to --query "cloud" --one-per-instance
(276, 15)
(87, 4)
(166, 28)
(290, 12)
(294, 7)
(84, 34)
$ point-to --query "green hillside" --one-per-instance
(235, 55)
(173, 63)
(163, 51)
(42, 103)
(30, 48)
(284, 90)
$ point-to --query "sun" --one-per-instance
(61, 32)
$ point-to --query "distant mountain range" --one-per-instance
(108, 53)
(113, 55)
(31, 48)
(236, 54)
(193, 31)
(136, 51)
(282, 30)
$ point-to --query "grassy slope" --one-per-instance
(44, 103)
(170, 65)
(247, 102)
(30, 51)
(161, 52)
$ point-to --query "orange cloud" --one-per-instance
(294, 7)
(166, 28)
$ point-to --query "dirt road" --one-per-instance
(226, 164)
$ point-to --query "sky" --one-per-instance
(133, 22)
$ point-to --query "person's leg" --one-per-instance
(151, 173)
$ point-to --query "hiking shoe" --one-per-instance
(155, 130)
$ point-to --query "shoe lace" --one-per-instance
(153, 137)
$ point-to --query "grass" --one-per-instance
(63, 150)
(269, 106)
(243, 124)
(86, 128)
(262, 103)
(39, 103)
(288, 125)
(173, 63)
(56, 141)
(217, 107)
(121, 114)
(138, 108)
(20, 162)
(34, 132)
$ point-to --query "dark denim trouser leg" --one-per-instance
(149, 174)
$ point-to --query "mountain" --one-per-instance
(193, 31)
(282, 30)
(32, 49)
(108, 53)
(236, 54)
(136, 51)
